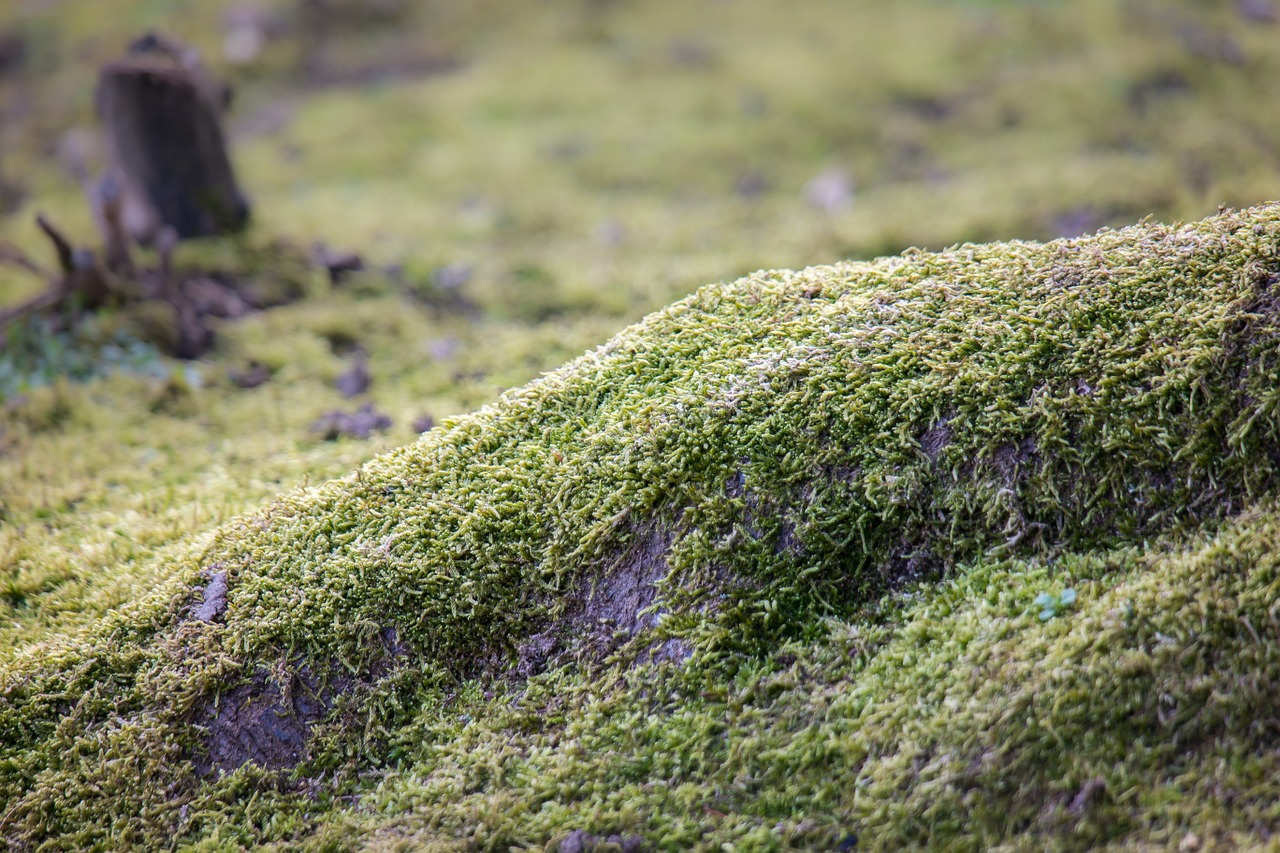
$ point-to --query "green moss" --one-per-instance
(799, 457)
(626, 153)
(589, 163)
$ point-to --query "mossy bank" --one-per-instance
(569, 167)
(765, 569)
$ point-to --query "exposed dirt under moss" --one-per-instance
(759, 570)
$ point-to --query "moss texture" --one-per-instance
(815, 510)
(588, 162)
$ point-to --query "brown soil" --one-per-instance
(609, 609)
(361, 423)
(264, 722)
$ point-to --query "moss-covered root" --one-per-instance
(719, 479)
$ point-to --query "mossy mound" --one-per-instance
(761, 570)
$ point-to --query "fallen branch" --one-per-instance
(66, 254)
(107, 202)
(47, 298)
(42, 301)
(81, 278)
(193, 336)
(12, 255)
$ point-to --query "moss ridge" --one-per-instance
(804, 441)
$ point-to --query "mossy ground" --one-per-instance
(861, 477)
(590, 162)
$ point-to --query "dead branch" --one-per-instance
(107, 201)
(193, 336)
(12, 255)
(66, 255)
(42, 301)
(81, 279)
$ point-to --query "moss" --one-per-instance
(628, 152)
(853, 481)
(610, 157)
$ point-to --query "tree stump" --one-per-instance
(161, 110)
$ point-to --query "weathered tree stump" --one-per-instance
(161, 110)
(168, 177)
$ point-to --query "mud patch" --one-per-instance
(608, 609)
(265, 722)
(936, 439)
(360, 424)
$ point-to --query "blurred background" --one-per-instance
(460, 194)
(629, 151)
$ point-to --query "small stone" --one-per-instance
(337, 263)
(690, 53)
(443, 349)
(751, 185)
(578, 841)
(830, 191)
(356, 380)
(214, 299)
(361, 423)
(253, 375)
(1189, 843)
(610, 233)
(214, 602)
(424, 423)
(451, 276)
(1076, 221)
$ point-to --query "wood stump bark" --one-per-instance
(161, 110)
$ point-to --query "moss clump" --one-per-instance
(814, 510)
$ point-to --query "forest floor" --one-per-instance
(521, 182)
